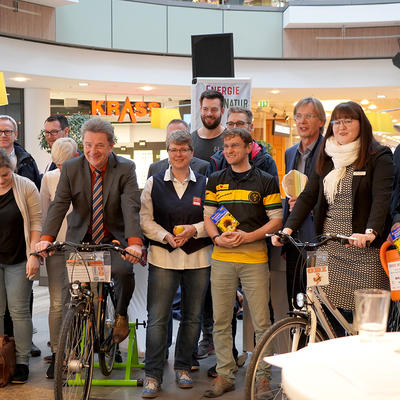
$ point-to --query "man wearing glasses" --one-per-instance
(55, 127)
(309, 115)
(240, 117)
(24, 163)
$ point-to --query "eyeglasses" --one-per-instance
(179, 151)
(346, 122)
(304, 116)
(54, 132)
(6, 132)
(239, 124)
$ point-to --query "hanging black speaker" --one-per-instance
(212, 56)
(396, 60)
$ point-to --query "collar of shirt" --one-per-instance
(102, 169)
(168, 176)
(308, 150)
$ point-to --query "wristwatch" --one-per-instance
(369, 230)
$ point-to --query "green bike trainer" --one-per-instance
(132, 361)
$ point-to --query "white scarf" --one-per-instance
(342, 156)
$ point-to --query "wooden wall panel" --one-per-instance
(302, 43)
(30, 20)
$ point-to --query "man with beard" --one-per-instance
(207, 140)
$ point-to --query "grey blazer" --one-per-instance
(121, 200)
(197, 164)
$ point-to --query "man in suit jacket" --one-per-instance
(197, 164)
(310, 118)
(120, 205)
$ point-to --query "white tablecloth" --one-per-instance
(344, 368)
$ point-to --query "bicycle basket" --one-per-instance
(89, 266)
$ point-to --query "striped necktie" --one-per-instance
(97, 209)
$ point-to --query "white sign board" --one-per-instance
(236, 92)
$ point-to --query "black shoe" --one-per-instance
(195, 365)
(48, 359)
(118, 357)
(50, 370)
(35, 351)
(212, 372)
(21, 374)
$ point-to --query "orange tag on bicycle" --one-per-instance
(317, 270)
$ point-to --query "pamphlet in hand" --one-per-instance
(224, 220)
(293, 183)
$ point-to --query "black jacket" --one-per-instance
(371, 194)
(26, 165)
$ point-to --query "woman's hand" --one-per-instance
(275, 240)
(362, 240)
(170, 239)
(32, 266)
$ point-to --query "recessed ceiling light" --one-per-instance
(83, 84)
(19, 79)
(372, 107)
(394, 120)
(275, 91)
(381, 96)
(364, 102)
(146, 88)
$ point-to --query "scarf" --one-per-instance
(342, 156)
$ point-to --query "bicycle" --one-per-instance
(88, 324)
(308, 323)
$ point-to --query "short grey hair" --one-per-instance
(241, 110)
(98, 125)
(319, 109)
(12, 120)
(180, 137)
(63, 150)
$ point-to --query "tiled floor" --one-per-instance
(40, 388)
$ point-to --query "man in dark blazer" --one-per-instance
(120, 205)
(197, 164)
(310, 118)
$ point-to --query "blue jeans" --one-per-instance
(16, 289)
(162, 286)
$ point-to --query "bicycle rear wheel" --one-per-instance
(285, 336)
(75, 356)
(107, 322)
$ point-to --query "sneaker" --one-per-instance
(206, 348)
(21, 374)
(219, 386)
(195, 365)
(35, 351)
(183, 380)
(118, 356)
(50, 369)
(151, 388)
(48, 359)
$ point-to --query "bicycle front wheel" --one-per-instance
(75, 356)
(107, 322)
(263, 381)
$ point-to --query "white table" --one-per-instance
(344, 368)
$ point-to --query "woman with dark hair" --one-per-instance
(349, 193)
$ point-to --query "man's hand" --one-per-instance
(362, 239)
(32, 266)
(230, 239)
(292, 202)
(133, 253)
(275, 239)
(41, 247)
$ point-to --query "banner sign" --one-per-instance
(236, 92)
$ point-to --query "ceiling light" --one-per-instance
(146, 88)
(394, 120)
(381, 96)
(275, 91)
(364, 102)
(19, 79)
(372, 107)
(83, 84)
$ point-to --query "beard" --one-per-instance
(212, 125)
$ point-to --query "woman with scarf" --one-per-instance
(349, 193)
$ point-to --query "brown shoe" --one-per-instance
(263, 389)
(121, 328)
(219, 386)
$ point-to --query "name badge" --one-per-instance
(196, 201)
(359, 173)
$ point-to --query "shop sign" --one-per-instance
(134, 109)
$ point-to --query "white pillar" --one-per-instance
(37, 109)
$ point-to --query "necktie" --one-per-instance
(97, 209)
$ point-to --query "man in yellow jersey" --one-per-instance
(252, 197)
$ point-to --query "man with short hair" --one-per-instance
(55, 127)
(196, 164)
(310, 118)
(24, 163)
(252, 197)
(100, 177)
(207, 140)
